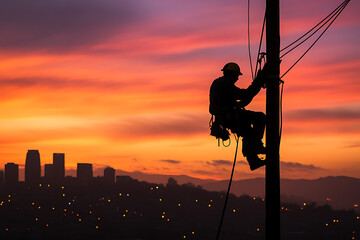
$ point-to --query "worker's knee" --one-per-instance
(261, 116)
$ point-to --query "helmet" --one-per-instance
(231, 66)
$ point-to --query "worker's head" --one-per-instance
(231, 71)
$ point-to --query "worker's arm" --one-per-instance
(254, 88)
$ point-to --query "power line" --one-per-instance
(251, 67)
(338, 12)
(314, 26)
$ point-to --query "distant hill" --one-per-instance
(339, 192)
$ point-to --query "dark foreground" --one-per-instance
(140, 210)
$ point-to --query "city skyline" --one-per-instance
(126, 84)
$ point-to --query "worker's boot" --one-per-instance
(260, 149)
(255, 162)
(252, 147)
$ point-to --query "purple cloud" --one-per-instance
(323, 114)
(61, 25)
(217, 163)
(295, 166)
(170, 161)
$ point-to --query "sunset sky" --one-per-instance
(125, 83)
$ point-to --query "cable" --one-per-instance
(338, 13)
(313, 27)
(261, 38)
(251, 67)
(281, 110)
(228, 190)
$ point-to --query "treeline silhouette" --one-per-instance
(130, 209)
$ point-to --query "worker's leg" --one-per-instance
(258, 122)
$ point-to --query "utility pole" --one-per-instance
(272, 188)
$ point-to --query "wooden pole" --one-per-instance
(272, 188)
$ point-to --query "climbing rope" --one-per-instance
(228, 190)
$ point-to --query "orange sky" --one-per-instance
(125, 84)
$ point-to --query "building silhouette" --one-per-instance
(124, 180)
(2, 177)
(11, 174)
(84, 171)
(32, 167)
(49, 172)
(59, 167)
(109, 175)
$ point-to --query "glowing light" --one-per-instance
(160, 199)
(356, 205)
(79, 219)
(258, 229)
(234, 210)
(97, 227)
(63, 195)
(327, 224)
(304, 204)
(179, 205)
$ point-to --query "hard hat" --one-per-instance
(231, 66)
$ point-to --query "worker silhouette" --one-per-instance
(227, 104)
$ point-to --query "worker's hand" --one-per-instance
(262, 76)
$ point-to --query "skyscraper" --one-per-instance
(59, 166)
(2, 177)
(32, 167)
(11, 174)
(109, 175)
(84, 171)
(49, 172)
